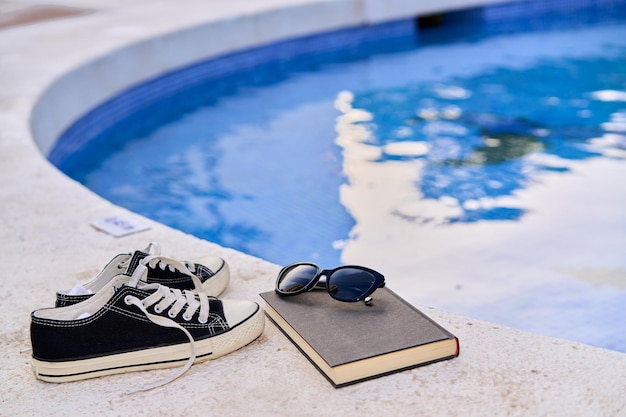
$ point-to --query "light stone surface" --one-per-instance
(46, 242)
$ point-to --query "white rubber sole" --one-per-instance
(155, 358)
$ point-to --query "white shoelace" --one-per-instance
(173, 265)
(153, 250)
(175, 300)
(155, 260)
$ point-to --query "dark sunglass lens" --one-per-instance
(296, 278)
(350, 284)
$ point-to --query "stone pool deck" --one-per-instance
(68, 56)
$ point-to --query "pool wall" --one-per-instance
(144, 94)
(53, 72)
(111, 74)
(140, 84)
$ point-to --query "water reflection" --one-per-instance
(481, 141)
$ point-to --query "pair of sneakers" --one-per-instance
(142, 311)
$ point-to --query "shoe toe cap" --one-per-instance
(214, 263)
(237, 311)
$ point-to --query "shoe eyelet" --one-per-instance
(157, 309)
(127, 300)
(186, 317)
(169, 313)
(203, 321)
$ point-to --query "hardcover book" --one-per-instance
(353, 342)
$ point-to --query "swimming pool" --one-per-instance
(468, 186)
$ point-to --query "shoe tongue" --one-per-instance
(134, 261)
(139, 274)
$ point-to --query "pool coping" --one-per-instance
(48, 243)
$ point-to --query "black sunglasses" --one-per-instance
(347, 283)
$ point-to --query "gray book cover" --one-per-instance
(343, 333)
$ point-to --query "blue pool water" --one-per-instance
(478, 166)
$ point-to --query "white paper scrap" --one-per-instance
(119, 226)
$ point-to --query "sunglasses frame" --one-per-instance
(379, 281)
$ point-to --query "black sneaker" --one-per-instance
(209, 274)
(130, 326)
